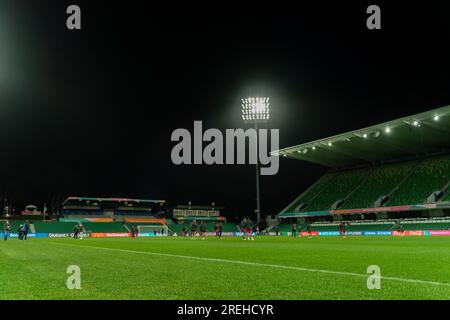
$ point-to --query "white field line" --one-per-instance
(257, 264)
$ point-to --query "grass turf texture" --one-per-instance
(128, 269)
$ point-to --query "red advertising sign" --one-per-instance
(408, 233)
(113, 234)
(314, 233)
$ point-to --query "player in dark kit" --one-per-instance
(219, 228)
(397, 227)
(20, 232)
(203, 231)
(76, 231)
(216, 229)
(294, 230)
(193, 229)
(342, 230)
(25, 230)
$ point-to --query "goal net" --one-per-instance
(153, 230)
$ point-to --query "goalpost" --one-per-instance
(146, 230)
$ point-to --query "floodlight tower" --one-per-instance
(256, 110)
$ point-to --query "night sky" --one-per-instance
(91, 112)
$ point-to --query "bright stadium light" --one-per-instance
(255, 109)
(416, 123)
(314, 148)
(330, 144)
(387, 130)
(365, 135)
(436, 118)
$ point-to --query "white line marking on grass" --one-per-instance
(277, 266)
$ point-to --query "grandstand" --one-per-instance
(111, 207)
(110, 217)
(395, 171)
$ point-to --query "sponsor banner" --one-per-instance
(228, 233)
(314, 233)
(150, 234)
(437, 232)
(354, 233)
(240, 234)
(111, 234)
(118, 234)
(328, 233)
(30, 235)
(377, 233)
(408, 233)
(60, 235)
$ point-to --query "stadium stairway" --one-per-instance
(429, 175)
(342, 184)
(383, 180)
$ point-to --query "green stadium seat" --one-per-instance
(428, 176)
(403, 183)
(341, 185)
(382, 181)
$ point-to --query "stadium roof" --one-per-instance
(194, 207)
(95, 201)
(420, 134)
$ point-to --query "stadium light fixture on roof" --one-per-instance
(313, 147)
(364, 135)
(436, 118)
(416, 123)
(255, 109)
(329, 144)
(387, 130)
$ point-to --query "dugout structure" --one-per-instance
(400, 168)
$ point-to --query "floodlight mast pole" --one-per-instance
(258, 203)
(256, 109)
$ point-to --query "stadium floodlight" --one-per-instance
(387, 130)
(436, 118)
(365, 135)
(330, 144)
(255, 109)
(313, 147)
(416, 123)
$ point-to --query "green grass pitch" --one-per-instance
(267, 268)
